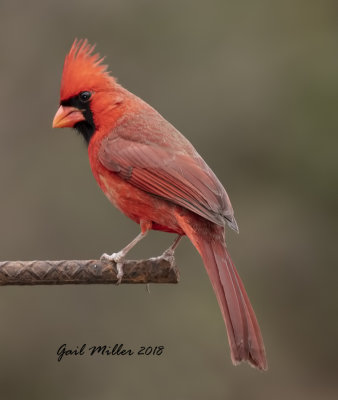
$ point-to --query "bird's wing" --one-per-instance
(184, 179)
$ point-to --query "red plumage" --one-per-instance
(153, 174)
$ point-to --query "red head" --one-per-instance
(87, 91)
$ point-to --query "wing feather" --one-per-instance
(176, 174)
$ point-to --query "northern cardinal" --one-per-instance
(154, 175)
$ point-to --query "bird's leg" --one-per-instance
(169, 253)
(171, 250)
(120, 256)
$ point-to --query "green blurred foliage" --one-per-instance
(254, 86)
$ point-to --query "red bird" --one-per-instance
(154, 175)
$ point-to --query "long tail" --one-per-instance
(244, 335)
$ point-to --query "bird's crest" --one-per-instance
(84, 70)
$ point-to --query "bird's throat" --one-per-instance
(86, 129)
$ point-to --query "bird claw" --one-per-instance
(120, 273)
(117, 258)
(168, 255)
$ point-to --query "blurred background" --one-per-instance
(254, 86)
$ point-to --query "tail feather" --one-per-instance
(256, 344)
(244, 334)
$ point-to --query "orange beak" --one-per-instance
(67, 117)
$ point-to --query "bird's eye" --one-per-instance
(85, 96)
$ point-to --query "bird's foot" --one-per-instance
(168, 255)
(118, 259)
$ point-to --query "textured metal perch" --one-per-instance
(86, 272)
